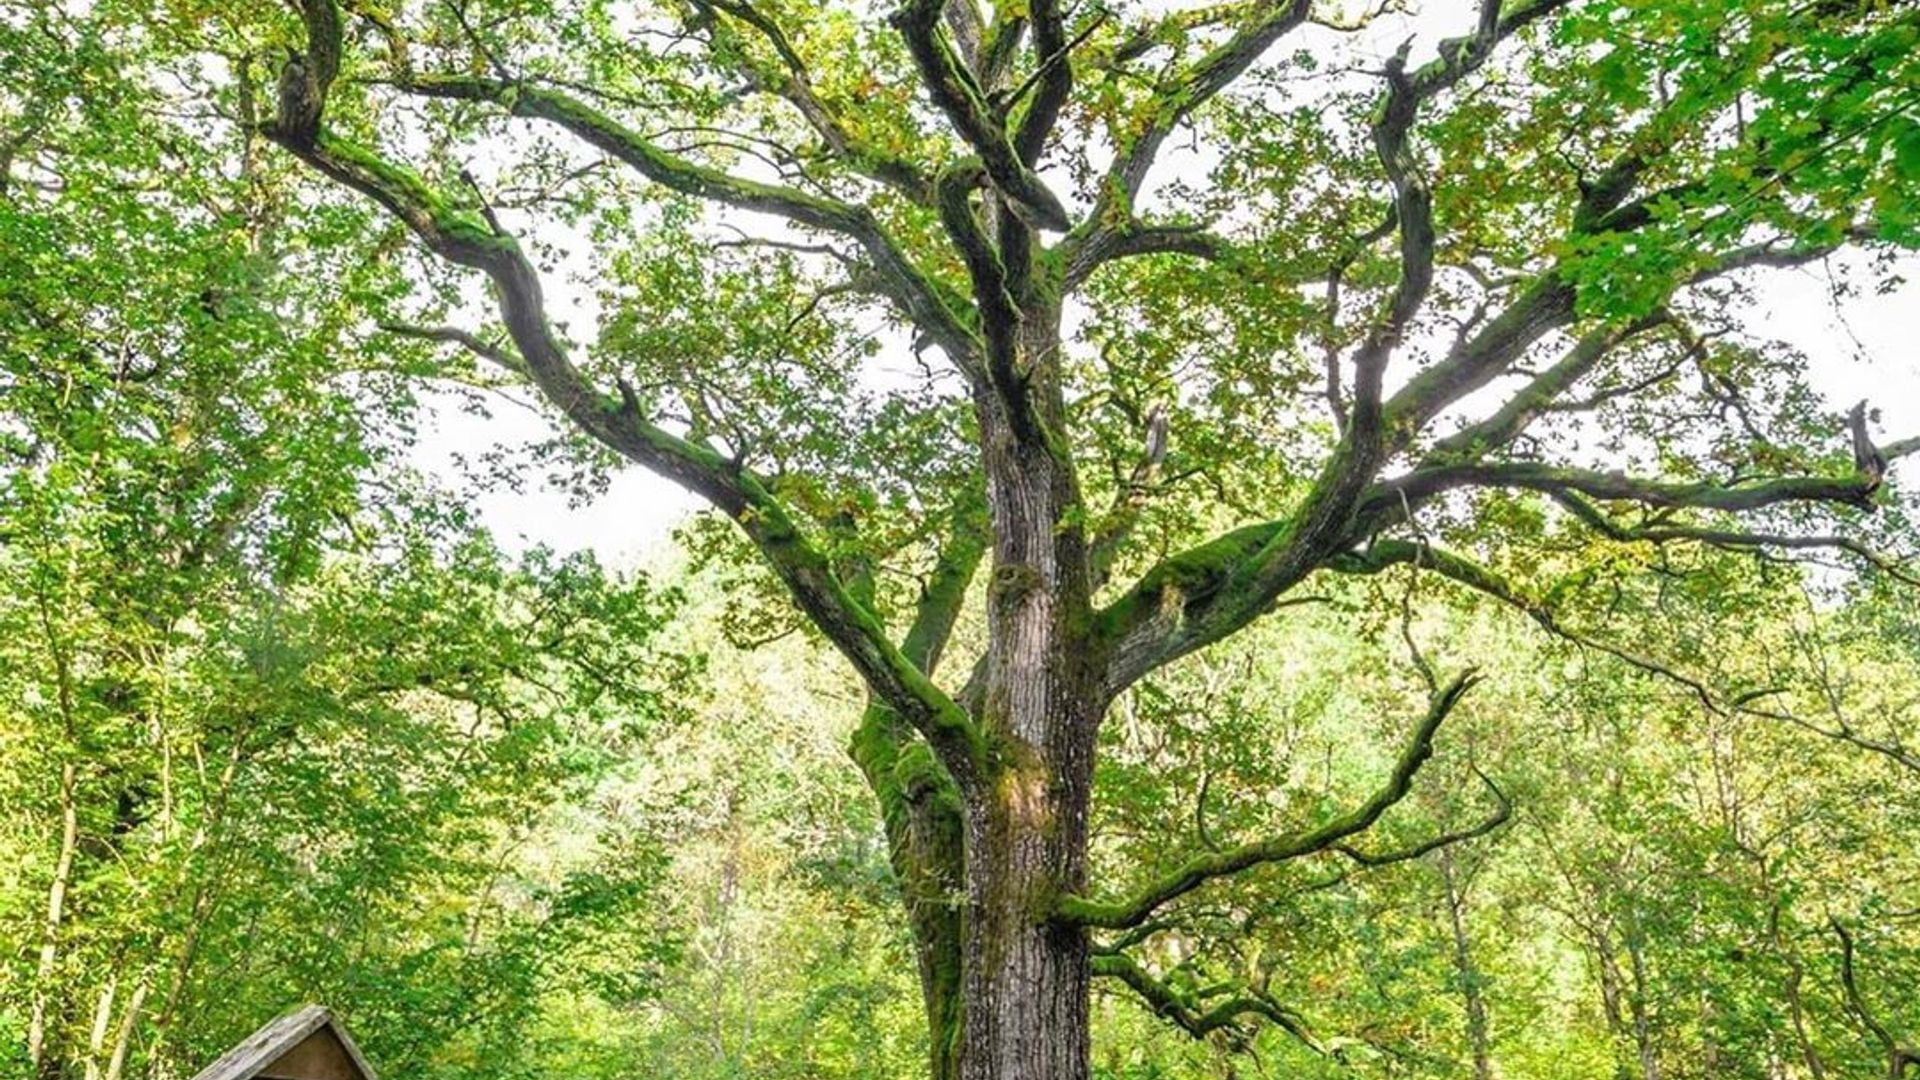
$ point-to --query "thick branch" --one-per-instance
(951, 85)
(1413, 213)
(1054, 81)
(992, 286)
(919, 296)
(306, 79)
(1545, 304)
(1134, 238)
(918, 798)
(1141, 630)
(1121, 914)
(1540, 393)
(618, 424)
(1422, 484)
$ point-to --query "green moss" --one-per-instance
(1011, 581)
(1195, 573)
(407, 193)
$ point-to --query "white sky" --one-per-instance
(1866, 346)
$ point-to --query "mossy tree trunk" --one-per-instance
(1025, 976)
(983, 858)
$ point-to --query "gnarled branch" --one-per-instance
(1195, 1017)
(951, 85)
(462, 239)
(1121, 914)
(919, 297)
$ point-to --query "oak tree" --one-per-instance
(1201, 302)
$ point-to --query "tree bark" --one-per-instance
(925, 841)
(1478, 1038)
(1025, 978)
(43, 994)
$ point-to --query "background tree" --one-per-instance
(278, 721)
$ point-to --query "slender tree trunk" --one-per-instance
(50, 931)
(102, 1015)
(1642, 1013)
(1612, 996)
(1478, 1039)
(129, 1026)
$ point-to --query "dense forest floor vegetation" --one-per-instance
(1403, 615)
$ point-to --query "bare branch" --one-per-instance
(1266, 24)
(1388, 552)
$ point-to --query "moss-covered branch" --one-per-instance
(793, 83)
(1196, 1017)
(1422, 484)
(919, 800)
(992, 289)
(1133, 910)
(954, 90)
(921, 300)
(466, 240)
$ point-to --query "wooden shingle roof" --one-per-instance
(306, 1044)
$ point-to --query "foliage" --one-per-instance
(280, 723)
(1172, 319)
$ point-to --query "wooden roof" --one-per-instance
(306, 1044)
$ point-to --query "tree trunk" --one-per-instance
(1025, 979)
(102, 1015)
(45, 1063)
(129, 1027)
(1478, 1038)
(1642, 1008)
